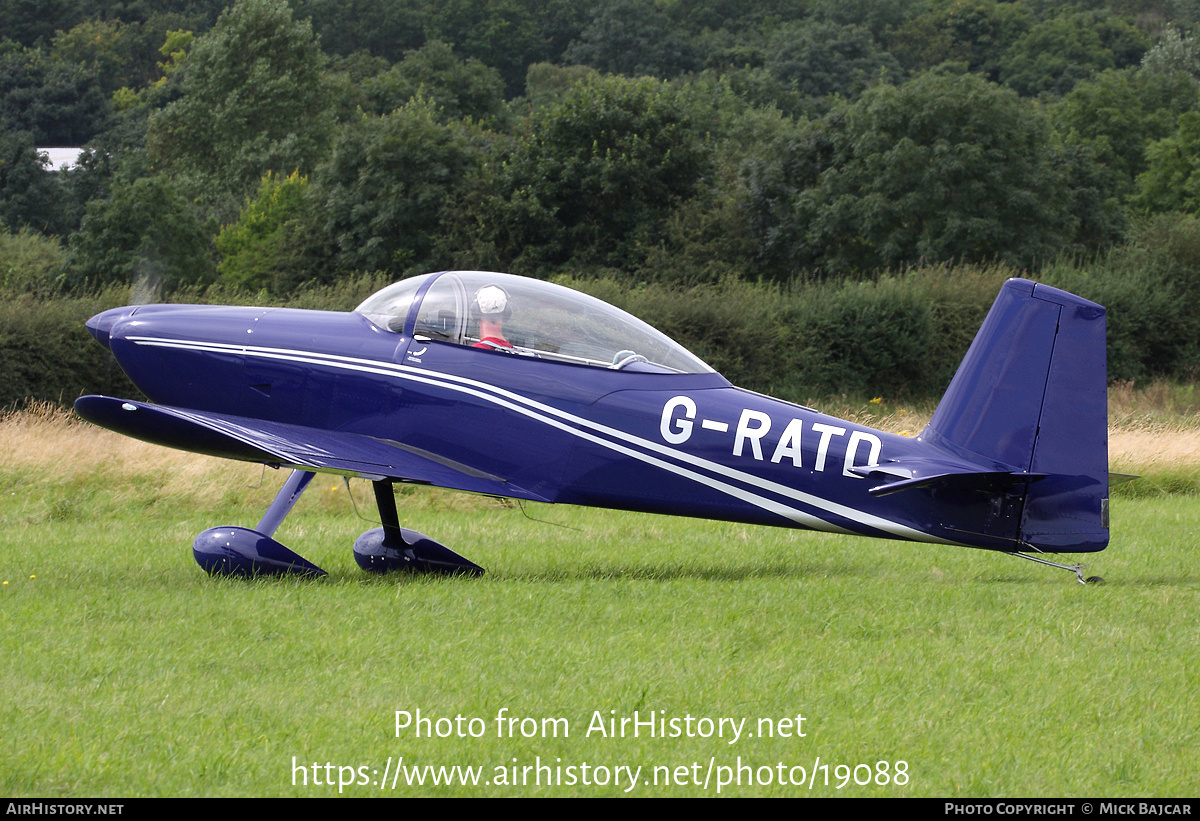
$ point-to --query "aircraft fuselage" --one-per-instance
(679, 443)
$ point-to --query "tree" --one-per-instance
(30, 195)
(819, 59)
(1067, 48)
(60, 103)
(30, 263)
(941, 168)
(879, 16)
(596, 175)
(506, 35)
(696, 16)
(1119, 112)
(1174, 53)
(159, 91)
(145, 235)
(381, 196)
(1171, 181)
(118, 54)
(30, 21)
(256, 99)
(634, 38)
(385, 30)
(546, 83)
(976, 33)
(460, 88)
(262, 249)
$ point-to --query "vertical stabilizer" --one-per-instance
(1032, 396)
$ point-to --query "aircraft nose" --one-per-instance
(101, 324)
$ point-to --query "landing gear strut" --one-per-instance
(242, 552)
(392, 547)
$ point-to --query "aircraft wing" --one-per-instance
(292, 446)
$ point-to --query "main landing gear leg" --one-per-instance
(240, 551)
(1076, 568)
(393, 547)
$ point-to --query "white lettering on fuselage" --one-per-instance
(676, 431)
(753, 426)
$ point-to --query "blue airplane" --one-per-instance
(507, 386)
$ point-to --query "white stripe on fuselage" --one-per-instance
(565, 421)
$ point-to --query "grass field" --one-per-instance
(128, 672)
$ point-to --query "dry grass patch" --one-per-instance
(1154, 433)
(61, 447)
(54, 446)
(1133, 450)
(903, 418)
(1157, 406)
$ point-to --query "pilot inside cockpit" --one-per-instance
(491, 307)
(550, 323)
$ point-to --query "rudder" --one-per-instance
(1031, 396)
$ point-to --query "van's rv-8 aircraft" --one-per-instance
(514, 387)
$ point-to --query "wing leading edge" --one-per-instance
(292, 446)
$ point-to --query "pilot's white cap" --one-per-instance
(491, 299)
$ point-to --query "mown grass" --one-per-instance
(128, 672)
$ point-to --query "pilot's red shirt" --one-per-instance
(495, 340)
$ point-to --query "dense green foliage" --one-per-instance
(792, 157)
(1171, 181)
(1150, 286)
(254, 98)
(46, 353)
(258, 250)
(30, 264)
(594, 177)
(942, 168)
(379, 198)
(143, 235)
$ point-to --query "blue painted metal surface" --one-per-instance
(595, 408)
(241, 552)
(413, 551)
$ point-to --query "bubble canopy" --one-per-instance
(539, 319)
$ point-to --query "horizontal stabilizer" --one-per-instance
(910, 474)
(293, 446)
